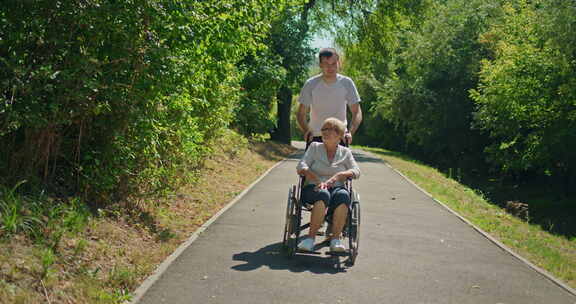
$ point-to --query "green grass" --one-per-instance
(42, 219)
(17, 215)
(553, 253)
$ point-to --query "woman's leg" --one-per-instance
(340, 199)
(339, 220)
(320, 199)
(316, 218)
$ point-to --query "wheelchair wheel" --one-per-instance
(354, 232)
(291, 225)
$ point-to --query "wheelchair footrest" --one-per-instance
(308, 252)
(343, 253)
(322, 244)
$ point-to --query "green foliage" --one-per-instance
(435, 71)
(122, 276)
(289, 40)
(414, 62)
(460, 82)
(42, 219)
(47, 259)
(279, 67)
(527, 95)
(263, 77)
(380, 30)
(116, 98)
(371, 59)
(14, 216)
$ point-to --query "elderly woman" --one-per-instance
(326, 166)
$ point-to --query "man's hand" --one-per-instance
(307, 135)
(348, 138)
(356, 120)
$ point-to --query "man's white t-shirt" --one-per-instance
(327, 100)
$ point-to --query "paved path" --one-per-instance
(412, 251)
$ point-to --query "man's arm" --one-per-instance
(356, 117)
(302, 121)
(356, 120)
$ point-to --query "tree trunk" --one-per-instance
(284, 95)
(282, 131)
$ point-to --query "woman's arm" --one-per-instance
(303, 167)
(340, 177)
(352, 165)
(352, 170)
(310, 176)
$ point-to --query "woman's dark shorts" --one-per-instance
(332, 197)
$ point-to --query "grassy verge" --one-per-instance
(553, 253)
(105, 257)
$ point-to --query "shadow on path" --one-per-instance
(360, 157)
(272, 257)
(365, 158)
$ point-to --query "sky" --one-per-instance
(319, 41)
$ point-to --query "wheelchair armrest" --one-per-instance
(348, 184)
(355, 197)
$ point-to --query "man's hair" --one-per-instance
(327, 53)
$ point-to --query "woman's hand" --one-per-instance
(329, 183)
(340, 176)
(322, 186)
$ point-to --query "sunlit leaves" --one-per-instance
(462, 70)
(526, 95)
(112, 98)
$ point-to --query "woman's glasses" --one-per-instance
(326, 129)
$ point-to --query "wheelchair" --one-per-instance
(293, 226)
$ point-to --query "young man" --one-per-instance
(327, 95)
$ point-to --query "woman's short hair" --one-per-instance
(336, 123)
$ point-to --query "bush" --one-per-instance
(526, 99)
(114, 98)
(263, 77)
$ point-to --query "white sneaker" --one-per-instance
(337, 246)
(306, 244)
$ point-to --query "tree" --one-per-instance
(124, 99)
(289, 39)
(527, 94)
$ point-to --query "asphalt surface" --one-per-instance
(412, 250)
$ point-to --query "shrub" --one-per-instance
(107, 99)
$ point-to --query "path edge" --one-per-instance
(507, 249)
(162, 267)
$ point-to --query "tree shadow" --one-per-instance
(296, 156)
(272, 150)
(549, 206)
(394, 154)
(139, 217)
(272, 256)
(358, 156)
(365, 158)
